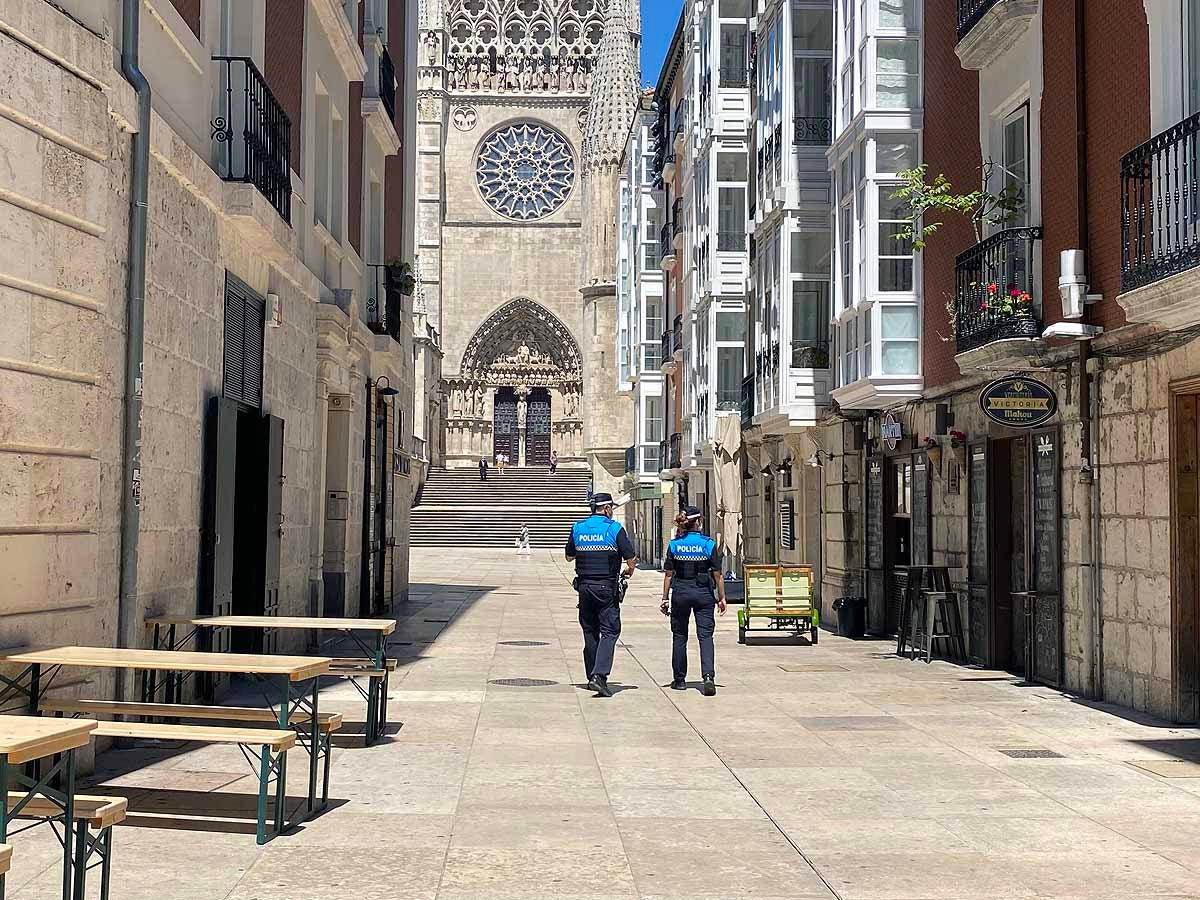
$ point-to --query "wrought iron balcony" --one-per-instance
(676, 449)
(994, 288)
(747, 401)
(666, 246)
(677, 337)
(384, 309)
(630, 459)
(810, 354)
(969, 14)
(662, 455)
(814, 131)
(668, 360)
(253, 134)
(1160, 206)
(387, 84)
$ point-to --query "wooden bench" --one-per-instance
(376, 695)
(783, 597)
(94, 818)
(5, 858)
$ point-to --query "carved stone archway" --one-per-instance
(521, 346)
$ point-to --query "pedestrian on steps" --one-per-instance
(553, 461)
(483, 467)
(598, 545)
(523, 540)
(692, 587)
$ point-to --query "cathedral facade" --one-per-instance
(511, 99)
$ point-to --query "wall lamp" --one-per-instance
(387, 390)
(817, 459)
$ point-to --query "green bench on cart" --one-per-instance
(779, 598)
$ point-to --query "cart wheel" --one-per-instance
(813, 634)
(741, 635)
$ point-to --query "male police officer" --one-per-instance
(598, 545)
(692, 575)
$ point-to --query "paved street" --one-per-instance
(834, 771)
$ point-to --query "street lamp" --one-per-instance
(387, 390)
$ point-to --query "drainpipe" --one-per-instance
(368, 509)
(131, 503)
(1089, 406)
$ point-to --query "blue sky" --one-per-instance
(659, 18)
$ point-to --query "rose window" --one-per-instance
(525, 171)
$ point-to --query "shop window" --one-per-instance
(897, 79)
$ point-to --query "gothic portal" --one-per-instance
(507, 119)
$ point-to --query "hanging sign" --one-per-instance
(1018, 402)
(891, 431)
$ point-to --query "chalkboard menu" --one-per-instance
(920, 511)
(875, 514)
(1045, 512)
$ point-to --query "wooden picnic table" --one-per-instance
(295, 678)
(29, 739)
(166, 636)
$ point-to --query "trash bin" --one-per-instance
(852, 616)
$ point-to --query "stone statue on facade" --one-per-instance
(432, 46)
(480, 409)
(522, 408)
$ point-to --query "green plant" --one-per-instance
(925, 198)
(401, 277)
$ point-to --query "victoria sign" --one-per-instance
(1018, 402)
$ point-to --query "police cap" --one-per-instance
(690, 512)
(601, 499)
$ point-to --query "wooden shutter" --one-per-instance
(244, 323)
(787, 524)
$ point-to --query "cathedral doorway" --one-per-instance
(518, 390)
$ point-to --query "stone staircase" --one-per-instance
(456, 509)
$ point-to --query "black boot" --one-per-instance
(602, 688)
(593, 684)
(710, 686)
(678, 685)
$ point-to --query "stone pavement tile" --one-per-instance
(524, 827)
(337, 873)
(993, 834)
(350, 826)
(731, 803)
(841, 834)
(904, 874)
(993, 800)
(671, 867)
(375, 792)
(1163, 834)
(574, 753)
(803, 780)
(667, 775)
(489, 872)
(534, 785)
(752, 755)
(1100, 876)
(823, 801)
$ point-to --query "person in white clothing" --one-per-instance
(523, 539)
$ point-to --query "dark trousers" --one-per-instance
(682, 609)
(600, 619)
(482, 474)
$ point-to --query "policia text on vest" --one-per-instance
(692, 587)
(599, 546)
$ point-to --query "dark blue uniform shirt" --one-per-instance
(687, 557)
(598, 544)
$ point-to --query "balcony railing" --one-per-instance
(666, 242)
(419, 448)
(970, 12)
(810, 354)
(677, 335)
(662, 455)
(814, 131)
(387, 84)
(747, 400)
(729, 400)
(630, 459)
(384, 309)
(666, 348)
(676, 450)
(1160, 206)
(253, 134)
(994, 290)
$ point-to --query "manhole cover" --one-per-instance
(1031, 753)
(525, 643)
(523, 682)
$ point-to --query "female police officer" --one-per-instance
(692, 575)
(599, 545)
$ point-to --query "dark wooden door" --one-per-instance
(1185, 614)
(272, 524)
(978, 543)
(537, 429)
(220, 473)
(505, 438)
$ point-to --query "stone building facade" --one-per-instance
(507, 107)
(269, 317)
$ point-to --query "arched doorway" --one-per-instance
(518, 390)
